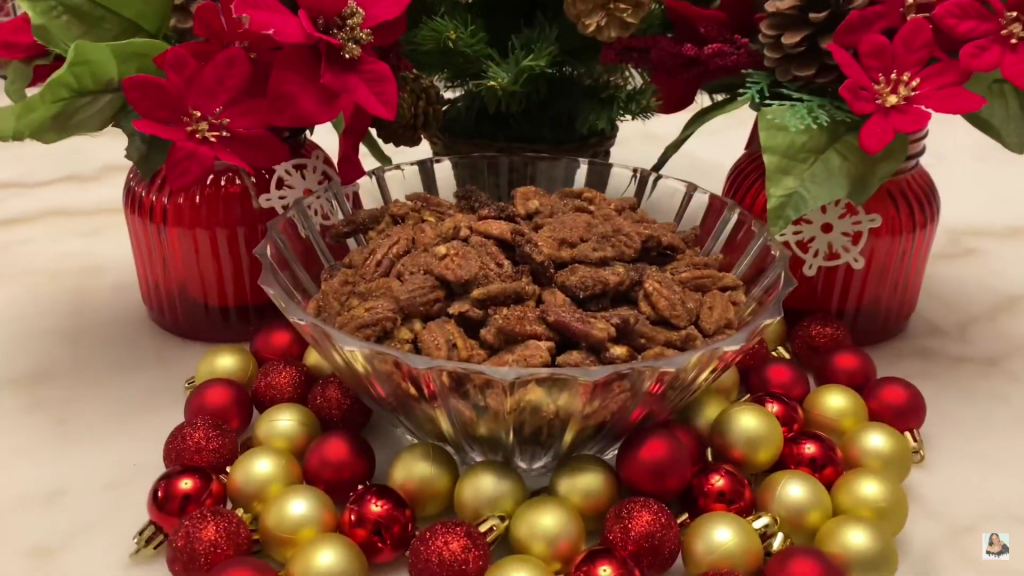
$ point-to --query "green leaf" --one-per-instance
(696, 122)
(84, 95)
(376, 150)
(339, 124)
(1002, 119)
(147, 153)
(812, 167)
(60, 23)
(19, 76)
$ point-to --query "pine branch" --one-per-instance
(801, 108)
(507, 84)
(452, 49)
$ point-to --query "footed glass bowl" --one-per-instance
(530, 417)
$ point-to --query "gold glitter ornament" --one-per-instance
(327, 555)
(293, 518)
(289, 427)
(858, 547)
(488, 488)
(873, 496)
(879, 447)
(519, 565)
(260, 474)
(721, 541)
(549, 529)
(607, 20)
(798, 500)
(748, 436)
(588, 484)
(425, 475)
(226, 361)
(834, 410)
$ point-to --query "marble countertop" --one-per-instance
(89, 388)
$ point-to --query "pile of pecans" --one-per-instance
(569, 279)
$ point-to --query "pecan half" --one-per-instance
(444, 340)
(529, 354)
(515, 325)
(577, 359)
(356, 223)
(498, 230)
(581, 282)
(623, 246)
(707, 280)
(716, 314)
(553, 297)
(456, 263)
(579, 326)
(370, 320)
(618, 354)
(385, 253)
(658, 352)
(531, 253)
(404, 337)
(415, 264)
(421, 297)
(669, 301)
(503, 294)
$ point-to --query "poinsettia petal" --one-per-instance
(271, 17)
(248, 115)
(164, 131)
(389, 32)
(368, 81)
(42, 72)
(687, 18)
(257, 148)
(179, 66)
(913, 46)
(860, 98)
(942, 74)
(221, 82)
(357, 124)
(859, 23)
(875, 56)
(675, 91)
(202, 52)
(154, 98)
(849, 65)
(875, 134)
(1013, 67)
(1015, 6)
(17, 41)
(326, 8)
(965, 19)
(907, 118)
(984, 54)
(952, 100)
(296, 97)
(208, 22)
(310, 26)
(378, 11)
(188, 164)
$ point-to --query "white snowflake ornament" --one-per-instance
(303, 177)
(830, 235)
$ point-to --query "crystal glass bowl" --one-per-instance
(528, 417)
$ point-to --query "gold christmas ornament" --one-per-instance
(834, 410)
(549, 529)
(226, 361)
(259, 475)
(316, 363)
(873, 496)
(519, 565)
(607, 20)
(798, 500)
(727, 385)
(289, 427)
(879, 447)
(748, 436)
(425, 475)
(700, 412)
(775, 335)
(721, 541)
(588, 484)
(488, 488)
(293, 518)
(858, 546)
(327, 555)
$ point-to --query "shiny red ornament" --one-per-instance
(754, 356)
(690, 438)
(789, 413)
(180, 491)
(643, 531)
(801, 561)
(449, 548)
(813, 453)
(206, 538)
(380, 522)
(654, 462)
(280, 381)
(602, 561)
(244, 566)
(817, 335)
(719, 488)
(896, 402)
(782, 377)
(338, 462)
(277, 341)
(851, 367)
(202, 442)
(221, 399)
(337, 407)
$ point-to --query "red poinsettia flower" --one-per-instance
(995, 35)
(893, 84)
(886, 17)
(204, 109)
(221, 28)
(18, 43)
(357, 125)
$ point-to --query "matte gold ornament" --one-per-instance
(259, 475)
(879, 447)
(327, 555)
(798, 500)
(858, 546)
(873, 496)
(727, 385)
(607, 20)
(748, 436)
(289, 427)
(519, 565)
(229, 361)
(425, 475)
(293, 518)
(775, 335)
(834, 410)
(488, 488)
(549, 529)
(700, 412)
(721, 541)
(316, 363)
(588, 484)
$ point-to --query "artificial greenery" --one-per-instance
(805, 105)
(1003, 118)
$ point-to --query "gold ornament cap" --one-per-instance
(519, 565)
(549, 529)
(293, 518)
(799, 501)
(288, 427)
(229, 361)
(148, 539)
(874, 496)
(834, 410)
(327, 555)
(425, 475)
(879, 447)
(488, 488)
(588, 484)
(858, 547)
(722, 541)
(748, 436)
(260, 474)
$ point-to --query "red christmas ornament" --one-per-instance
(723, 573)
(851, 367)
(896, 402)
(813, 453)
(336, 406)
(817, 335)
(204, 539)
(180, 491)
(602, 561)
(380, 522)
(691, 439)
(718, 488)
(449, 548)
(789, 414)
(277, 341)
(221, 399)
(280, 381)
(754, 356)
(244, 566)
(654, 462)
(202, 442)
(644, 532)
(801, 561)
(338, 462)
(782, 377)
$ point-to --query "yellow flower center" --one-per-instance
(206, 127)
(895, 89)
(347, 28)
(1013, 26)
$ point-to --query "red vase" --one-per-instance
(194, 248)
(864, 265)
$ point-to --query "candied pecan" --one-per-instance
(529, 200)
(356, 258)
(716, 314)
(356, 223)
(498, 230)
(503, 294)
(658, 352)
(456, 263)
(707, 280)
(404, 337)
(532, 254)
(529, 354)
(386, 252)
(415, 264)
(421, 297)
(686, 262)
(467, 314)
(370, 319)
(444, 340)
(494, 258)
(425, 235)
(737, 297)
(623, 246)
(577, 359)
(581, 282)
(628, 204)
(458, 227)
(515, 325)
(571, 230)
(432, 203)
(618, 354)
(336, 273)
(470, 200)
(579, 326)
(643, 336)
(404, 212)
(660, 237)
(721, 335)
(669, 301)
(622, 319)
(553, 297)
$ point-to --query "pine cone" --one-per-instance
(795, 33)
(420, 111)
(182, 20)
(607, 20)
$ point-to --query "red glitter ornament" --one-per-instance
(813, 453)
(789, 414)
(817, 335)
(221, 399)
(180, 491)
(643, 531)
(204, 539)
(277, 341)
(280, 381)
(602, 561)
(449, 548)
(202, 442)
(896, 402)
(338, 462)
(244, 566)
(690, 438)
(782, 377)
(801, 561)
(851, 367)
(754, 356)
(719, 488)
(336, 406)
(654, 462)
(380, 522)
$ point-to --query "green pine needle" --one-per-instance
(797, 104)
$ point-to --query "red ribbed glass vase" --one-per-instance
(864, 265)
